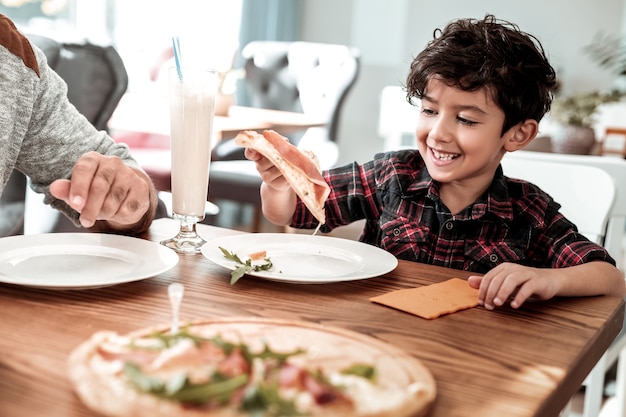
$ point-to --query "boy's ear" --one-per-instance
(520, 135)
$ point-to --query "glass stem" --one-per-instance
(187, 239)
(187, 229)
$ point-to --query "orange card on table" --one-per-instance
(432, 301)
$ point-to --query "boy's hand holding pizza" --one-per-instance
(287, 173)
(270, 175)
(279, 199)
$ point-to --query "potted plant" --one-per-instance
(573, 118)
(609, 52)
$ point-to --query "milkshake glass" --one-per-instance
(192, 107)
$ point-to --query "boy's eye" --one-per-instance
(465, 121)
(427, 111)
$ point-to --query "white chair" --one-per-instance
(586, 205)
(616, 167)
(397, 119)
(586, 193)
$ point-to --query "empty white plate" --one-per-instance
(80, 260)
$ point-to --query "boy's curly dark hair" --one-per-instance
(470, 54)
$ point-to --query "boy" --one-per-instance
(483, 87)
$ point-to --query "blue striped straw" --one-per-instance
(177, 58)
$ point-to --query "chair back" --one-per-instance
(586, 193)
(95, 75)
(308, 77)
(96, 79)
(616, 168)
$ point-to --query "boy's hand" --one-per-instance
(277, 196)
(269, 173)
(515, 282)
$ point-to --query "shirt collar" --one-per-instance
(495, 201)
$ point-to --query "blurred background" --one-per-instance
(387, 32)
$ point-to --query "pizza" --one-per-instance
(254, 367)
(300, 169)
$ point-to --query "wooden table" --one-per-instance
(486, 363)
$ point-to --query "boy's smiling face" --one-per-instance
(459, 135)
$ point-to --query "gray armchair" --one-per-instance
(312, 78)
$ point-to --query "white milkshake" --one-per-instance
(192, 103)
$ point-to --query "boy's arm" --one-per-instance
(518, 283)
(593, 278)
(279, 204)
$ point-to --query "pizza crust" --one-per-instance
(102, 388)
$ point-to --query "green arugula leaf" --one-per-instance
(268, 353)
(230, 255)
(239, 272)
(140, 380)
(364, 371)
(244, 267)
(179, 388)
(263, 399)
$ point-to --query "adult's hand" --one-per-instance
(108, 194)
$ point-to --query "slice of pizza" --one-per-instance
(299, 169)
(246, 367)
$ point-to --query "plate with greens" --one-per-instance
(298, 258)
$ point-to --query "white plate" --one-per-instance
(80, 260)
(304, 259)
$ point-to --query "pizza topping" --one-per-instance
(224, 367)
(234, 364)
(256, 256)
(218, 390)
(363, 370)
(210, 372)
(247, 266)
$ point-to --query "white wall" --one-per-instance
(390, 32)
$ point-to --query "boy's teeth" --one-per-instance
(444, 156)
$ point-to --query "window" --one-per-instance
(208, 32)
(40, 15)
(140, 30)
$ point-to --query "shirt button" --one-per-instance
(396, 232)
(493, 258)
(449, 225)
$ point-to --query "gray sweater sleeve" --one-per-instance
(43, 132)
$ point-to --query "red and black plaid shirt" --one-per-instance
(514, 221)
